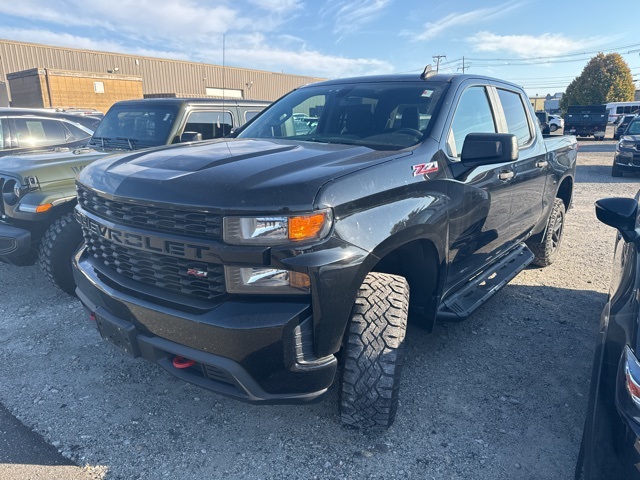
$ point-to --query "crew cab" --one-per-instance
(38, 190)
(250, 265)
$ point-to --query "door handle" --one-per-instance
(542, 164)
(506, 175)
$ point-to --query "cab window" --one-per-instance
(516, 116)
(473, 115)
(210, 124)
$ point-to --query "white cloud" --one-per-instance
(351, 15)
(528, 46)
(435, 29)
(280, 6)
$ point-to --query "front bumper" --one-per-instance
(257, 351)
(14, 241)
(627, 160)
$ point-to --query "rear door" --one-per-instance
(531, 169)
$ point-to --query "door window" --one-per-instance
(516, 116)
(35, 132)
(473, 115)
(210, 124)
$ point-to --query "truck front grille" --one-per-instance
(198, 279)
(152, 218)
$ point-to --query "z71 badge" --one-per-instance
(424, 168)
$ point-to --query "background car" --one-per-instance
(555, 122)
(621, 125)
(543, 120)
(627, 157)
(29, 130)
(612, 429)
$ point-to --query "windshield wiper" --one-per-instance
(130, 141)
(101, 139)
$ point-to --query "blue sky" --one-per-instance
(541, 44)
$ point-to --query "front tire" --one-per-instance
(374, 352)
(547, 249)
(615, 170)
(553, 128)
(58, 245)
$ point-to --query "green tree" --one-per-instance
(606, 78)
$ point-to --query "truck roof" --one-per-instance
(200, 101)
(438, 77)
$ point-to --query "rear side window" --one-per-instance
(473, 115)
(249, 114)
(516, 116)
(210, 124)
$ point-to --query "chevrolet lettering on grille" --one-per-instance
(145, 242)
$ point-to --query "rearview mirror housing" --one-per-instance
(489, 148)
(621, 214)
(190, 137)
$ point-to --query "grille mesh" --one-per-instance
(155, 219)
(162, 271)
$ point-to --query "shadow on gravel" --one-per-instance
(598, 147)
(601, 174)
(20, 445)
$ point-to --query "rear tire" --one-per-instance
(553, 128)
(547, 249)
(58, 245)
(374, 352)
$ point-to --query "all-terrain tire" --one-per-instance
(374, 352)
(547, 249)
(58, 244)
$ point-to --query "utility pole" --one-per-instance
(464, 66)
(437, 58)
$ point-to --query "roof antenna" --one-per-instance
(427, 72)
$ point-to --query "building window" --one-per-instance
(98, 87)
(223, 92)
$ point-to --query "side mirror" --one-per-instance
(190, 137)
(619, 213)
(489, 148)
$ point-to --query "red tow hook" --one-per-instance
(181, 362)
(92, 316)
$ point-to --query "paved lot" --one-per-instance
(501, 395)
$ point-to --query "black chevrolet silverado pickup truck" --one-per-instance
(265, 266)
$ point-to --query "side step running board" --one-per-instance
(478, 290)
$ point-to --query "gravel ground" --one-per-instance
(499, 396)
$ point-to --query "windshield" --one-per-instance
(633, 128)
(135, 126)
(381, 115)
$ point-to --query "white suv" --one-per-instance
(555, 122)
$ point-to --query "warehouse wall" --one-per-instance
(159, 75)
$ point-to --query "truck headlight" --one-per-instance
(277, 229)
(626, 142)
(265, 280)
(11, 192)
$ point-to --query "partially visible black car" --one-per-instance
(610, 447)
(622, 125)
(24, 130)
(627, 158)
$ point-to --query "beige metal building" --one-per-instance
(159, 75)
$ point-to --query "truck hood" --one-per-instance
(231, 174)
(48, 166)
